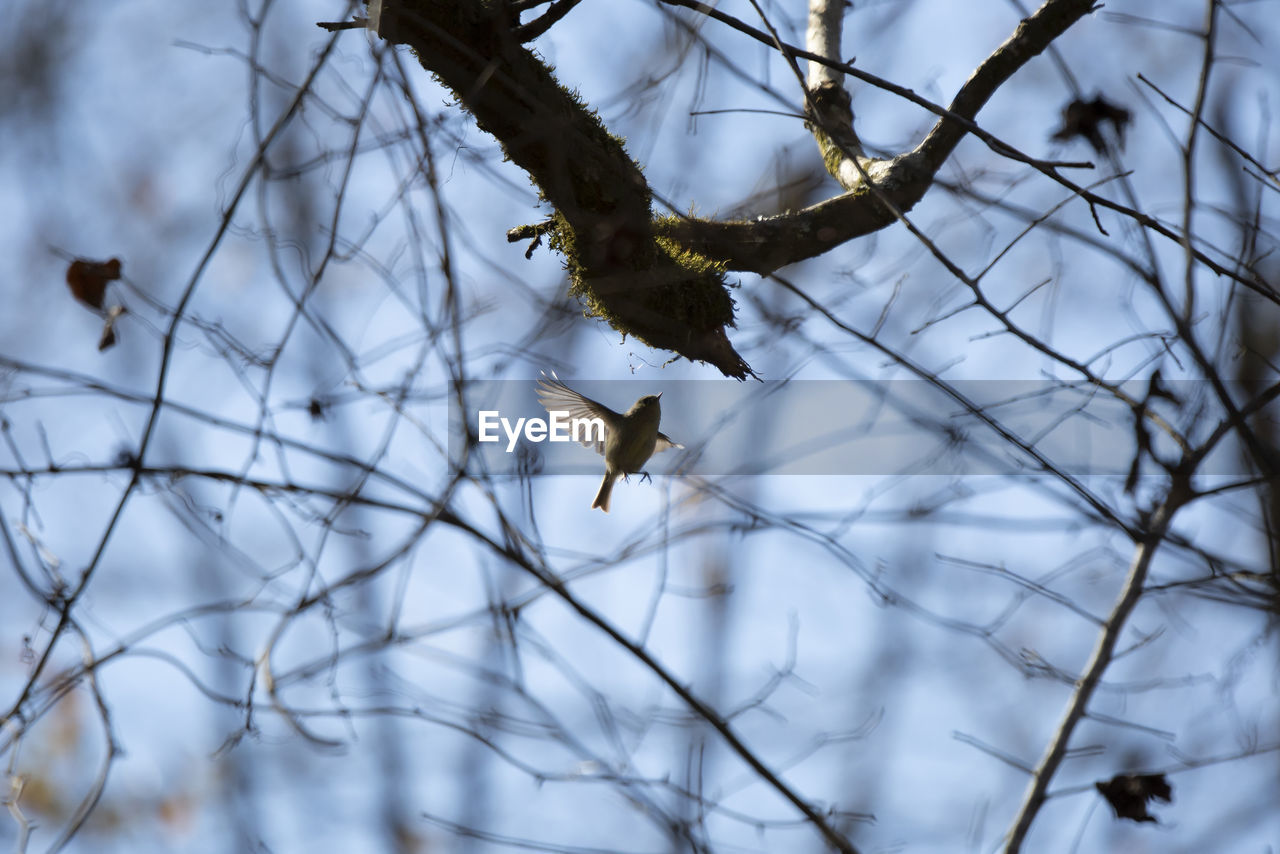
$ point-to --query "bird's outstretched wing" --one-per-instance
(664, 442)
(558, 397)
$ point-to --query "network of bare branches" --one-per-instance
(982, 556)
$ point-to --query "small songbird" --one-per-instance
(629, 440)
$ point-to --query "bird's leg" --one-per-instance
(644, 475)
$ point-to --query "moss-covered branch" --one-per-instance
(662, 280)
(669, 297)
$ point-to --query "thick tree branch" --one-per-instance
(766, 244)
(661, 280)
(826, 18)
(624, 271)
(828, 104)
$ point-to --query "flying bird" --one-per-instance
(630, 439)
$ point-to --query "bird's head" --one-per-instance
(647, 404)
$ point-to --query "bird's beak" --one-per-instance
(659, 395)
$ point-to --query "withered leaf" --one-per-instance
(88, 280)
(1128, 794)
(1084, 119)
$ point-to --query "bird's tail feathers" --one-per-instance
(606, 488)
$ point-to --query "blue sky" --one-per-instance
(861, 633)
